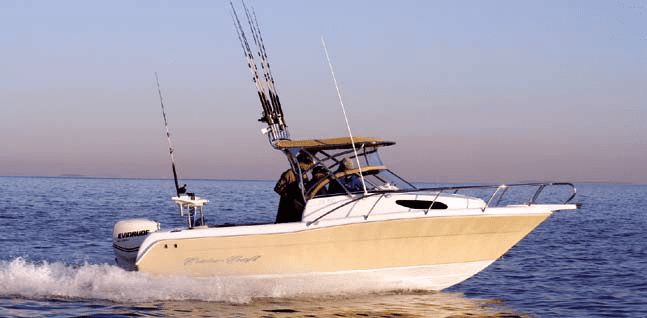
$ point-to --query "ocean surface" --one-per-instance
(56, 259)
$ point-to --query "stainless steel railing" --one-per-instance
(493, 200)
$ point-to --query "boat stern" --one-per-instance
(127, 237)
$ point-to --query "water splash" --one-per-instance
(20, 277)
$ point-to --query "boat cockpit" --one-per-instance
(335, 170)
(326, 171)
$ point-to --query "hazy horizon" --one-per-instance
(417, 182)
(470, 91)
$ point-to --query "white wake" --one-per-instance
(20, 277)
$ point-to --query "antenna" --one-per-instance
(179, 190)
(350, 133)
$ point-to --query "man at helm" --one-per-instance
(291, 203)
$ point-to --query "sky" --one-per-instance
(470, 91)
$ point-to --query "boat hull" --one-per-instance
(441, 251)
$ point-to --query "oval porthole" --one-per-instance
(422, 204)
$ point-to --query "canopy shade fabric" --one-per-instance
(332, 143)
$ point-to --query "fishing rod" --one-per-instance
(262, 55)
(350, 133)
(272, 112)
(262, 63)
(179, 190)
(251, 63)
(271, 85)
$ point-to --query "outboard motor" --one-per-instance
(127, 236)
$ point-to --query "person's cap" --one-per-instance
(303, 157)
(347, 163)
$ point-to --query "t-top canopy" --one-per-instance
(332, 143)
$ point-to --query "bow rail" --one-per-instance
(494, 199)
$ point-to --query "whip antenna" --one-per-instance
(179, 190)
(359, 166)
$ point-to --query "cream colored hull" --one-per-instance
(440, 251)
(433, 277)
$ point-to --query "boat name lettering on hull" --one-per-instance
(228, 260)
(132, 234)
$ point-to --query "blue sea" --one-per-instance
(56, 259)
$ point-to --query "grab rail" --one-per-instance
(502, 189)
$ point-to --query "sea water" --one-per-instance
(56, 259)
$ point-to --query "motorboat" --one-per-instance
(348, 216)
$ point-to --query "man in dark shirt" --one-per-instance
(291, 203)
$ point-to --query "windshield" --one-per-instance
(375, 178)
(385, 180)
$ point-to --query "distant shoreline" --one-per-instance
(133, 178)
